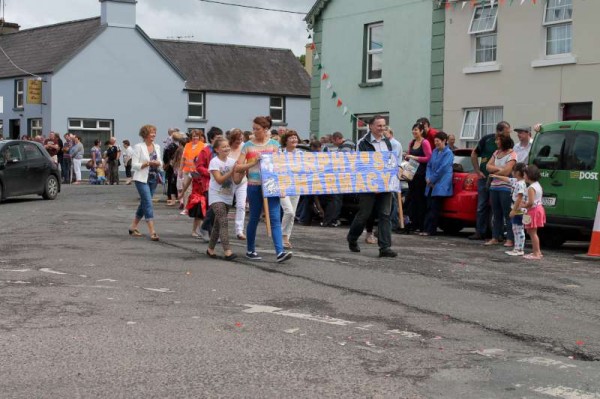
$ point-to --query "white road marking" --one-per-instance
(15, 282)
(110, 280)
(91, 286)
(130, 323)
(48, 270)
(304, 316)
(162, 290)
(489, 352)
(566, 393)
(15, 270)
(542, 361)
(83, 276)
(291, 330)
(365, 327)
(406, 334)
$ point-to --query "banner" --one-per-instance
(319, 173)
(34, 91)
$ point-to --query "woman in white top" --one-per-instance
(145, 163)
(236, 139)
(289, 142)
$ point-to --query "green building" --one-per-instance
(376, 57)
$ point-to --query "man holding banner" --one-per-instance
(374, 140)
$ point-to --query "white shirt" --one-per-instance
(128, 154)
(522, 151)
(380, 146)
(221, 192)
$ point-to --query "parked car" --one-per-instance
(567, 155)
(26, 168)
(460, 210)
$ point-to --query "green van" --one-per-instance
(567, 155)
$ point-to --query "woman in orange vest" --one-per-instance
(188, 164)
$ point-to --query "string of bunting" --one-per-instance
(454, 3)
(339, 103)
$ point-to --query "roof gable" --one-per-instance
(315, 11)
(45, 49)
(239, 69)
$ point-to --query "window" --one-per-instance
(374, 52)
(195, 105)
(32, 151)
(91, 130)
(558, 22)
(477, 122)
(13, 153)
(483, 29)
(19, 93)
(547, 153)
(577, 112)
(582, 153)
(35, 127)
(361, 124)
(277, 109)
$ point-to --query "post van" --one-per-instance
(567, 155)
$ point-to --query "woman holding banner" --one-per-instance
(249, 162)
(289, 142)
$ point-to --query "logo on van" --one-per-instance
(584, 175)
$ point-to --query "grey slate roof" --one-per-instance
(239, 69)
(45, 49)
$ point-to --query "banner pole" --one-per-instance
(267, 216)
(400, 210)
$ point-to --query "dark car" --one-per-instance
(27, 168)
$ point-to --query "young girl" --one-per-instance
(220, 196)
(536, 215)
(519, 192)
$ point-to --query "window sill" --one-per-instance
(18, 109)
(370, 84)
(482, 68)
(546, 62)
(201, 120)
(279, 123)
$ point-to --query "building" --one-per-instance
(104, 76)
(521, 63)
(381, 57)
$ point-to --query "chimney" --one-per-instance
(118, 13)
(8, 27)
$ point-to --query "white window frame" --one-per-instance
(35, 127)
(195, 103)
(365, 119)
(553, 24)
(488, 30)
(477, 131)
(369, 52)
(476, 38)
(19, 93)
(77, 124)
(281, 108)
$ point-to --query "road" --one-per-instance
(88, 312)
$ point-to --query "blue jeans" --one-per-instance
(501, 205)
(483, 207)
(146, 191)
(255, 200)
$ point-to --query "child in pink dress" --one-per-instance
(536, 215)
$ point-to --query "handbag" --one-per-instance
(526, 219)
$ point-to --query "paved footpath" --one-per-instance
(88, 312)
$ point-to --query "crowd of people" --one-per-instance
(207, 174)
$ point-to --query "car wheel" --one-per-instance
(449, 226)
(551, 239)
(51, 188)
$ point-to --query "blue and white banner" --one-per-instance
(318, 173)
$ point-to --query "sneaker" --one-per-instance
(371, 239)
(283, 256)
(184, 212)
(253, 256)
(204, 235)
(515, 252)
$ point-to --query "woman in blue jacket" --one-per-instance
(439, 181)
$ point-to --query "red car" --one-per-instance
(460, 210)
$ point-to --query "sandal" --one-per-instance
(135, 233)
(287, 245)
(213, 256)
(491, 242)
(230, 257)
(241, 236)
(154, 237)
(509, 244)
(533, 257)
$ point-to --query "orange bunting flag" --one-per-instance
(448, 5)
(325, 76)
(339, 103)
(313, 46)
(502, 2)
(473, 3)
(534, 1)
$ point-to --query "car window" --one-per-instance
(462, 164)
(548, 150)
(32, 151)
(582, 153)
(12, 153)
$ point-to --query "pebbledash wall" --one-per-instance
(523, 81)
(340, 37)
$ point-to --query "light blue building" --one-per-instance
(104, 76)
(381, 57)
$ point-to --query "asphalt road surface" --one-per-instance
(88, 312)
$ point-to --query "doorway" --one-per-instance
(14, 129)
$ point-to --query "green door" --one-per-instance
(547, 155)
